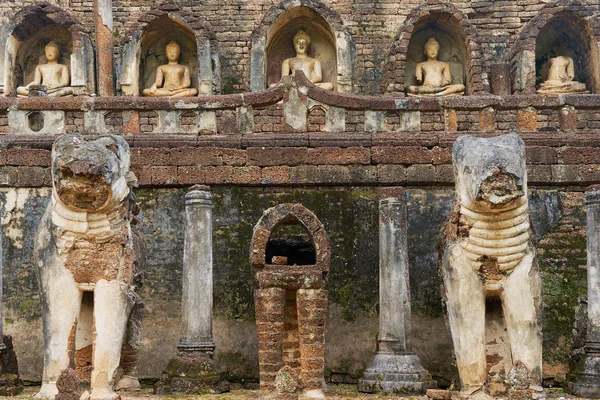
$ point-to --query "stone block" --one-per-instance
(527, 119)
(36, 122)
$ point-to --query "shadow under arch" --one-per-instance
(451, 28)
(289, 214)
(562, 28)
(272, 43)
(145, 51)
(22, 42)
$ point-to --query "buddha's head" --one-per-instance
(432, 48)
(52, 51)
(301, 42)
(172, 50)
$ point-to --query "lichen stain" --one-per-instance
(14, 212)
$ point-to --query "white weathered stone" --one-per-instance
(54, 122)
(488, 254)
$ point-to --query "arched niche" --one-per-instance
(145, 51)
(562, 26)
(280, 43)
(31, 52)
(331, 43)
(452, 51)
(459, 46)
(568, 35)
(22, 42)
(308, 241)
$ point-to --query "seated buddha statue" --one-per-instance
(54, 76)
(310, 66)
(434, 75)
(172, 79)
(560, 77)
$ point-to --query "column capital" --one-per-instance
(198, 194)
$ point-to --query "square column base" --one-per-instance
(586, 383)
(195, 374)
(396, 373)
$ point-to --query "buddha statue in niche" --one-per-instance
(54, 76)
(560, 77)
(172, 79)
(434, 75)
(310, 66)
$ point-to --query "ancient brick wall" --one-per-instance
(376, 28)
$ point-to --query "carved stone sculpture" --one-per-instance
(488, 254)
(54, 76)
(172, 79)
(85, 254)
(434, 75)
(302, 62)
(560, 77)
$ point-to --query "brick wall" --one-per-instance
(376, 28)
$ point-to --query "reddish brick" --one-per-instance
(567, 119)
(275, 175)
(30, 157)
(487, 120)
(337, 155)
(234, 157)
(450, 120)
(411, 155)
(269, 156)
(246, 175)
(190, 175)
(196, 156)
(540, 174)
(578, 155)
(150, 156)
(163, 175)
(131, 122)
(527, 119)
(541, 155)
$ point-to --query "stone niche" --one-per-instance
(22, 42)
(290, 256)
(330, 43)
(143, 54)
(568, 35)
(452, 51)
(280, 43)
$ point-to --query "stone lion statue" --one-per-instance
(488, 254)
(85, 252)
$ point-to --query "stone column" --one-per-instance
(104, 45)
(197, 301)
(194, 370)
(394, 368)
(586, 382)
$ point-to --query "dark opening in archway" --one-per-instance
(292, 242)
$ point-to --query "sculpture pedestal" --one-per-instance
(192, 373)
(586, 382)
(396, 373)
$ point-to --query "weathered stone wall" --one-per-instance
(349, 215)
